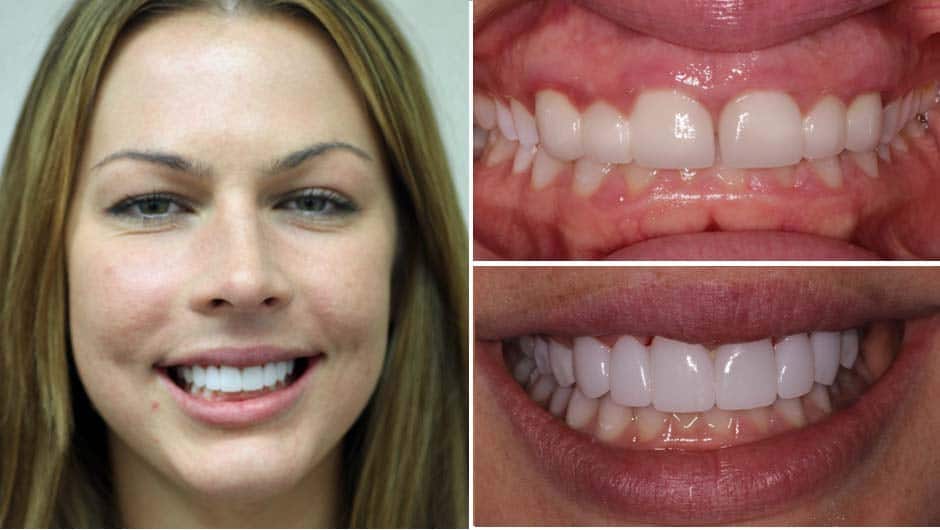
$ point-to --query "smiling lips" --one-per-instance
(608, 137)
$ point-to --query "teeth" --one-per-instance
(829, 171)
(890, 121)
(588, 176)
(233, 379)
(542, 390)
(824, 129)
(540, 352)
(630, 381)
(520, 373)
(612, 419)
(545, 168)
(504, 121)
(826, 348)
(849, 348)
(606, 135)
(581, 410)
(745, 375)
(522, 161)
(484, 110)
(867, 162)
(864, 123)
(683, 376)
(560, 399)
(562, 363)
(559, 125)
(591, 366)
(525, 124)
(677, 132)
(761, 130)
(794, 356)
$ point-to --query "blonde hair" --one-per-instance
(405, 460)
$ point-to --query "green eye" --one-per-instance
(318, 203)
(152, 207)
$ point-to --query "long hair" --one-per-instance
(405, 459)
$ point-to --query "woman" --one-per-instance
(233, 282)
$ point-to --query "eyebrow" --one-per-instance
(180, 163)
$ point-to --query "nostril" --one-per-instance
(270, 301)
(216, 302)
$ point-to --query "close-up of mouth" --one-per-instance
(609, 130)
(699, 399)
(234, 388)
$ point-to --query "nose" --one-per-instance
(242, 272)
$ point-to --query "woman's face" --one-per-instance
(266, 233)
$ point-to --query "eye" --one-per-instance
(318, 202)
(149, 208)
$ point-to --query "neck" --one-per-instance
(148, 498)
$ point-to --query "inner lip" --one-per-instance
(301, 365)
(884, 217)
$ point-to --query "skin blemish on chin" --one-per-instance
(154, 406)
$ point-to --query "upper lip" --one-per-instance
(237, 356)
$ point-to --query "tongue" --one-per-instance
(764, 245)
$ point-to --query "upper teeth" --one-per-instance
(234, 379)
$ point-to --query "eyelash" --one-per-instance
(332, 205)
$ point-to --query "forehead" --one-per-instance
(227, 85)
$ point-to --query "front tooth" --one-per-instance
(864, 121)
(525, 124)
(562, 363)
(794, 356)
(867, 162)
(606, 135)
(588, 176)
(581, 410)
(829, 171)
(212, 378)
(677, 132)
(761, 129)
(545, 168)
(745, 375)
(650, 423)
(252, 378)
(826, 346)
(559, 125)
(612, 419)
(630, 381)
(890, 121)
(683, 376)
(848, 350)
(591, 366)
(522, 161)
(270, 375)
(824, 129)
(485, 111)
(791, 410)
(504, 121)
(230, 378)
(199, 376)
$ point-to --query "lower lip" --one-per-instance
(770, 245)
(718, 486)
(243, 413)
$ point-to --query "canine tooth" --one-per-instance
(890, 121)
(504, 121)
(187, 373)
(898, 144)
(540, 353)
(826, 346)
(592, 366)
(559, 125)
(523, 159)
(581, 410)
(520, 372)
(867, 162)
(864, 122)
(829, 171)
(524, 122)
(545, 168)
(606, 135)
(794, 360)
(212, 378)
(791, 410)
(884, 152)
(562, 363)
(542, 390)
(824, 129)
(745, 375)
(612, 419)
(761, 129)
(638, 179)
(848, 351)
(500, 150)
(683, 376)
(677, 131)
(252, 378)
(588, 176)
(650, 423)
(630, 378)
(270, 375)
(559, 402)
(230, 378)
(485, 111)
(819, 397)
(199, 376)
